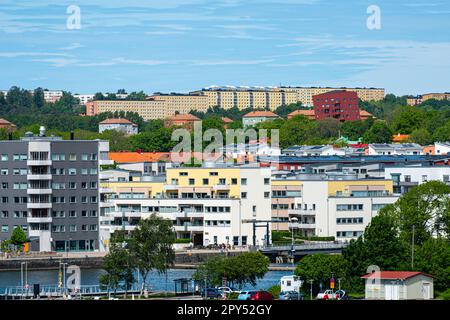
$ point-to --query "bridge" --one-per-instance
(281, 253)
(57, 292)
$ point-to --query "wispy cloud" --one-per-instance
(72, 46)
(228, 62)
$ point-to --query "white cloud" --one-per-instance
(228, 62)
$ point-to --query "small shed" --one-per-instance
(290, 283)
(398, 285)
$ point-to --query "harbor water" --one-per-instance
(157, 282)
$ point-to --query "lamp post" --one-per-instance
(310, 291)
(293, 220)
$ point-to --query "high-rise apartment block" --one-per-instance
(50, 188)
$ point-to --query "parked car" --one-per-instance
(291, 295)
(341, 295)
(245, 295)
(326, 295)
(211, 293)
(226, 290)
(261, 295)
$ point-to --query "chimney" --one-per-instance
(72, 135)
(42, 131)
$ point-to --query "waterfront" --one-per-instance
(157, 282)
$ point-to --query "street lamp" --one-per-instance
(293, 220)
(310, 282)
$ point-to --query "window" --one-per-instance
(73, 199)
(72, 157)
(4, 214)
(5, 228)
(244, 181)
(73, 228)
(266, 194)
(191, 182)
(84, 157)
(213, 173)
(4, 172)
(183, 174)
(93, 171)
(4, 157)
(93, 185)
(222, 181)
(72, 171)
(233, 181)
(446, 178)
(72, 214)
(84, 171)
(4, 185)
(205, 181)
(266, 181)
(72, 185)
(244, 195)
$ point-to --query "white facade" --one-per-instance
(378, 149)
(84, 98)
(52, 96)
(343, 216)
(207, 220)
(442, 148)
(325, 150)
(406, 177)
(129, 129)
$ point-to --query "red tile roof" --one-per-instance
(258, 114)
(302, 112)
(134, 157)
(6, 122)
(117, 121)
(184, 117)
(226, 120)
(402, 275)
(400, 137)
(364, 113)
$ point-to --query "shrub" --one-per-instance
(275, 291)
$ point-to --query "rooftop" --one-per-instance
(401, 275)
(184, 117)
(258, 114)
(117, 121)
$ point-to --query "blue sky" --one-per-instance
(183, 45)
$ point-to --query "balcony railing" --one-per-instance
(302, 212)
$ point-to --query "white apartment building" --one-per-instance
(51, 96)
(206, 205)
(442, 148)
(84, 98)
(406, 177)
(341, 207)
(379, 149)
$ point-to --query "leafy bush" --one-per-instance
(444, 295)
(232, 296)
(183, 240)
(275, 291)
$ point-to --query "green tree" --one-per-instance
(421, 136)
(378, 133)
(295, 131)
(328, 128)
(442, 134)
(18, 237)
(407, 119)
(320, 268)
(119, 267)
(151, 245)
(433, 257)
(426, 208)
(239, 270)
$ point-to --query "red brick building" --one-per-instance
(339, 104)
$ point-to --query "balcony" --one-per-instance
(126, 214)
(296, 225)
(301, 212)
(221, 187)
(105, 190)
(39, 219)
(188, 227)
(105, 162)
(39, 177)
(169, 187)
(39, 205)
(39, 162)
(39, 191)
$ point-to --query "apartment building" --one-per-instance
(340, 104)
(51, 96)
(182, 103)
(326, 205)
(247, 97)
(149, 109)
(305, 94)
(118, 124)
(84, 98)
(206, 205)
(406, 177)
(441, 148)
(49, 187)
(255, 117)
(395, 149)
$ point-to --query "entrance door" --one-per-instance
(426, 290)
(392, 291)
